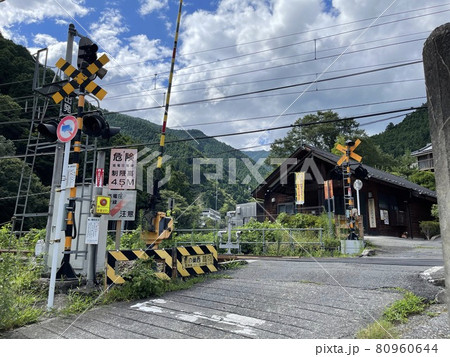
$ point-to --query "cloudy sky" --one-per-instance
(244, 64)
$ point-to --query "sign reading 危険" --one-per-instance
(122, 169)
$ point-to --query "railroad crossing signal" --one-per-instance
(80, 78)
(350, 153)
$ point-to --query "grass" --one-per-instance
(393, 315)
(378, 330)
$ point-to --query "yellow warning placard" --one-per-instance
(102, 204)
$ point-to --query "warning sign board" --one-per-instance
(102, 205)
(123, 205)
(122, 169)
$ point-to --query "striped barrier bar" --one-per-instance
(162, 258)
(196, 260)
(192, 260)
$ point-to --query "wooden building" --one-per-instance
(390, 205)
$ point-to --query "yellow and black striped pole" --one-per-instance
(166, 108)
(66, 269)
(350, 202)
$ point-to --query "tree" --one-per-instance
(10, 112)
(185, 215)
(424, 178)
(7, 147)
(10, 171)
(320, 130)
(412, 133)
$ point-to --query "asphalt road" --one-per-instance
(295, 299)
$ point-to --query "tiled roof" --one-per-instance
(425, 150)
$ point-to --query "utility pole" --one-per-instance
(66, 109)
(436, 62)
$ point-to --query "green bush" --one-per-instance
(140, 282)
(401, 309)
(429, 228)
(19, 291)
(27, 242)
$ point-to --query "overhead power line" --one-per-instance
(275, 88)
(315, 30)
(206, 137)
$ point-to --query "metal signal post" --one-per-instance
(344, 161)
(89, 66)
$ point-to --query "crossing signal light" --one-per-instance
(87, 52)
(336, 173)
(94, 124)
(361, 172)
(48, 130)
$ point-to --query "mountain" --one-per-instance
(412, 133)
(256, 155)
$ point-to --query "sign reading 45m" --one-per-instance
(122, 169)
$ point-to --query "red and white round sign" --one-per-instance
(67, 129)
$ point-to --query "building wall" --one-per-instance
(403, 211)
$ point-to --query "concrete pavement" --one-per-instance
(292, 299)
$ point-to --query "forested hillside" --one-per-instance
(410, 134)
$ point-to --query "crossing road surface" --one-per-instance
(295, 299)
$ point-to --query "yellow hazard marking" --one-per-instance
(211, 267)
(198, 270)
(212, 250)
(60, 62)
(163, 138)
(114, 278)
(163, 276)
(342, 159)
(57, 97)
(101, 94)
(118, 255)
(103, 59)
(91, 86)
(140, 254)
(355, 157)
(184, 251)
(80, 78)
(180, 269)
(341, 148)
(198, 250)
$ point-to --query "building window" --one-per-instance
(425, 162)
(286, 208)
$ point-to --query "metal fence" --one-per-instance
(286, 241)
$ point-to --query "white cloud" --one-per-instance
(25, 11)
(240, 27)
(249, 45)
(148, 6)
(44, 40)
